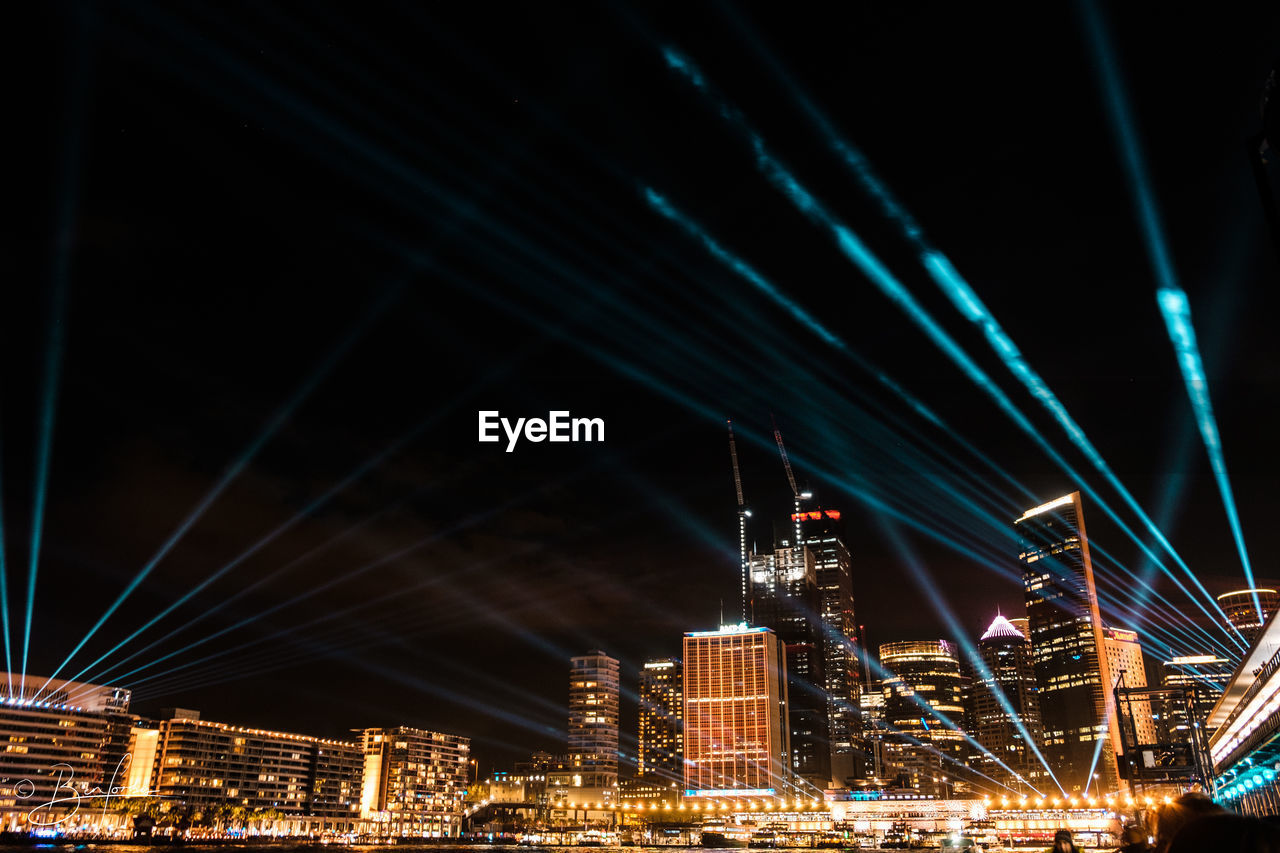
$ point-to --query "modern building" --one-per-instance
(1207, 675)
(207, 764)
(736, 741)
(1076, 703)
(821, 532)
(1128, 669)
(1005, 708)
(922, 685)
(414, 781)
(1022, 624)
(660, 752)
(60, 739)
(784, 598)
(1242, 611)
(593, 719)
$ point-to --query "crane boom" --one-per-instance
(733, 454)
(786, 463)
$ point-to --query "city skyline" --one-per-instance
(285, 260)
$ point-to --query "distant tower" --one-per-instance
(735, 697)
(784, 592)
(1209, 676)
(1076, 701)
(1243, 616)
(1006, 653)
(1124, 659)
(930, 671)
(822, 534)
(593, 718)
(661, 741)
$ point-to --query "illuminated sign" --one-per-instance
(740, 628)
(816, 515)
(730, 792)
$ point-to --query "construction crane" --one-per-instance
(791, 478)
(743, 514)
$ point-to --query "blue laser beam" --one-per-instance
(277, 420)
(874, 269)
(1172, 300)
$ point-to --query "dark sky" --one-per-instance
(290, 251)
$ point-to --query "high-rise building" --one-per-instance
(822, 534)
(1076, 703)
(593, 719)
(206, 764)
(784, 598)
(414, 781)
(661, 741)
(920, 673)
(1023, 625)
(1006, 654)
(57, 735)
(736, 742)
(1242, 613)
(1208, 675)
(1128, 670)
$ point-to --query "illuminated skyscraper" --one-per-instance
(736, 741)
(784, 597)
(1243, 615)
(1006, 653)
(593, 719)
(1076, 704)
(661, 741)
(1208, 675)
(919, 671)
(821, 533)
(1128, 669)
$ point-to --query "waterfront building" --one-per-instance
(593, 719)
(208, 765)
(660, 751)
(1006, 654)
(1128, 669)
(920, 673)
(821, 532)
(784, 598)
(414, 781)
(1242, 612)
(1076, 703)
(1207, 675)
(57, 737)
(736, 740)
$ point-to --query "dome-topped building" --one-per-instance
(1006, 654)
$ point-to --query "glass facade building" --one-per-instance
(1068, 646)
(1006, 654)
(919, 673)
(660, 752)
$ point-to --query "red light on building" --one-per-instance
(816, 515)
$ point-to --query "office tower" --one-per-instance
(736, 741)
(593, 719)
(1128, 669)
(1006, 654)
(821, 533)
(56, 734)
(1208, 676)
(207, 764)
(661, 741)
(1242, 614)
(1023, 625)
(1076, 703)
(784, 598)
(920, 673)
(414, 780)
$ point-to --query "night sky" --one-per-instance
(283, 255)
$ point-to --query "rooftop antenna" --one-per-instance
(743, 514)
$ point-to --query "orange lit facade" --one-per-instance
(735, 694)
